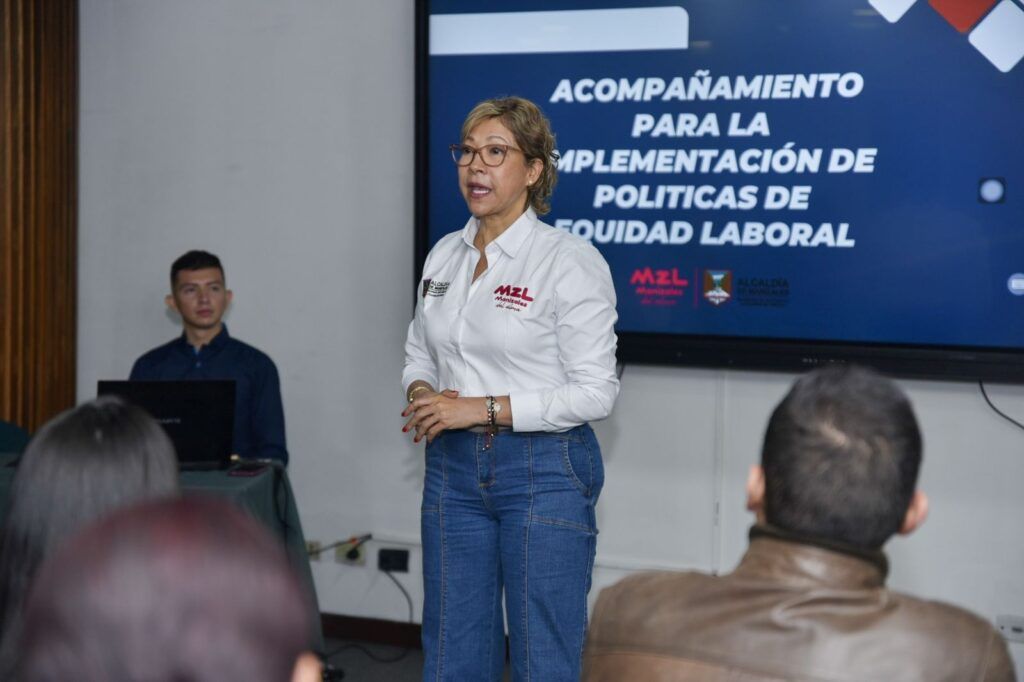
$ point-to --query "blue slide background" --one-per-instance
(931, 262)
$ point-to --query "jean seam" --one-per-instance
(435, 508)
(482, 489)
(484, 467)
(562, 524)
(526, 564)
(490, 640)
(596, 461)
(444, 565)
(586, 590)
(585, 442)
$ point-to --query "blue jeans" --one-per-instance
(516, 518)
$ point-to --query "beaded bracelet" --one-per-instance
(492, 423)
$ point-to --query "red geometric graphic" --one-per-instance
(962, 14)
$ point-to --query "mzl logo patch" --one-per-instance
(512, 298)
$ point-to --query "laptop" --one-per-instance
(198, 416)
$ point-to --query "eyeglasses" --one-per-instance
(491, 154)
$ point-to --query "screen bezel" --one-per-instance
(946, 363)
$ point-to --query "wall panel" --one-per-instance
(38, 223)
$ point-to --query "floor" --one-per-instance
(362, 662)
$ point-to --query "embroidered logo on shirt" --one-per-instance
(512, 298)
(433, 287)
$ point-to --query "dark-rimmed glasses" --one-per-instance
(491, 154)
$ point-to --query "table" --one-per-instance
(267, 496)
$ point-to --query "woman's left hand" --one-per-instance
(432, 414)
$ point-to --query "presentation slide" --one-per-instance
(812, 170)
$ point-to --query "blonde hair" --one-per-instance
(533, 136)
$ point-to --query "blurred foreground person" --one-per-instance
(81, 465)
(188, 590)
(808, 601)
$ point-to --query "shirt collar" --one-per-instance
(875, 558)
(216, 343)
(512, 239)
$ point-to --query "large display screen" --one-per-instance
(773, 184)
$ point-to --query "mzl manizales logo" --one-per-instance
(512, 297)
(654, 286)
(717, 286)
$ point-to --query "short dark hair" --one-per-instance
(194, 260)
(82, 464)
(188, 589)
(841, 457)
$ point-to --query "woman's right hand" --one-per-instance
(431, 412)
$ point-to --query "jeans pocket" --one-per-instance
(582, 460)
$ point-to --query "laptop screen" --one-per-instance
(198, 415)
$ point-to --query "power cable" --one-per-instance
(995, 409)
(368, 652)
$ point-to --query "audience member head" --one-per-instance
(87, 461)
(840, 460)
(186, 590)
(194, 260)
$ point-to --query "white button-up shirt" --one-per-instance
(537, 325)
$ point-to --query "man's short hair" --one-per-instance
(841, 457)
(188, 589)
(194, 260)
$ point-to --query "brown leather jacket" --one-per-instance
(790, 611)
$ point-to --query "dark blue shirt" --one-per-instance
(259, 416)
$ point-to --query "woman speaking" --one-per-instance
(510, 353)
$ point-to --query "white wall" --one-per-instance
(280, 136)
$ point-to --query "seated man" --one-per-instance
(206, 351)
(808, 600)
(189, 589)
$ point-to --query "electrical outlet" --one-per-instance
(1011, 627)
(313, 548)
(351, 553)
(393, 560)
